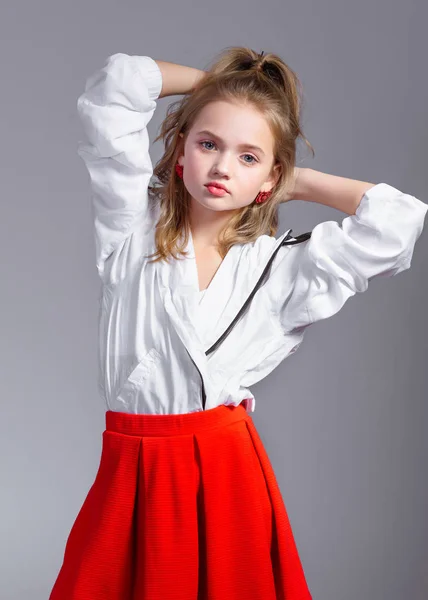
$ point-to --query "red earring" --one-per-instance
(262, 197)
(179, 170)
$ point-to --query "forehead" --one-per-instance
(235, 124)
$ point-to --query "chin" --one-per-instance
(212, 203)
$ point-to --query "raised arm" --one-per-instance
(312, 280)
(118, 102)
(178, 79)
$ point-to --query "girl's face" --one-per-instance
(219, 148)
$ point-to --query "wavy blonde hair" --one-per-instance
(239, 74)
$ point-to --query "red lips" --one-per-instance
(218, 185)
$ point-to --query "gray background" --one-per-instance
(343, 420)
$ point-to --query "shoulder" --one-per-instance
(260, 248)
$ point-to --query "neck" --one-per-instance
(206, 224)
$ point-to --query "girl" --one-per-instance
(199, 301)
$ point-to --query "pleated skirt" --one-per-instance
(183, 507)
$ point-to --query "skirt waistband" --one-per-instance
(174, 424)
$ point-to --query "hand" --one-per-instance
(293, 186)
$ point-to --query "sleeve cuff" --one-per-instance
(149, 69)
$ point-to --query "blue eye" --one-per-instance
(205, 143)
(250, 155)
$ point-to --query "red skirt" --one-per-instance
(183, 507)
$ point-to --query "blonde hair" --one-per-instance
(239, 74)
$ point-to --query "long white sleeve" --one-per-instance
(115, 108)
(312, 280)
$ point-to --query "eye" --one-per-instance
(205, 142)
(250, 155)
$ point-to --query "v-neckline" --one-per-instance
(179, 290)
(217, 275)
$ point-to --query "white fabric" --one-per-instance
(201, 317)
(151, 343)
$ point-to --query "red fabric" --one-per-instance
(183, 507)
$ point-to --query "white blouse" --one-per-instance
(155, 326)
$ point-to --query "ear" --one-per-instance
(275, 174)
(181, 151)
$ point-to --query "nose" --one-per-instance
(222, 165)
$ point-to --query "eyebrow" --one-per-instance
(210, 133)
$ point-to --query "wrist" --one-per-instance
(178, 79)
(302, 183)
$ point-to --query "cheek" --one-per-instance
(194, 171)
(251, 181)
(194, 164)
